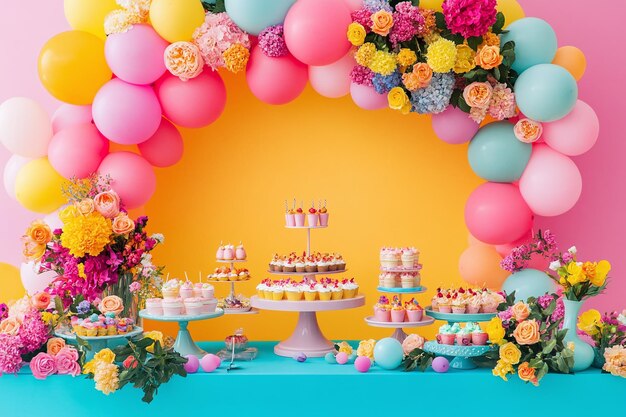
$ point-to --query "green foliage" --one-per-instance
(474, 42)
(214, 7)
(418, 359)
(497, 27)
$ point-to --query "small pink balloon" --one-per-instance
(68, 115)
(315, 31)
(126, 113)
(195, 103)
(131, 176)
(341, 358)
(333, 80)
(367, 98)
(192, 364)
(261, 75)
(354, 5)
(551, 183)
(77, 151)
(165, 147)
(575, 133)
(454, 126)
(440, 364)
(12, 167)
(136, 56)
(362, 363)
(210, 362)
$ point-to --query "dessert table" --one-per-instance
(278, 386)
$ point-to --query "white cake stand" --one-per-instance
(232, 293)
(399, 333)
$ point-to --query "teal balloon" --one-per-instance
(495, 154)
(388, 353)
(546, 92)
(255, 15)
(529, 283)
(535, 42)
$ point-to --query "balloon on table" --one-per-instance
(72, 66)
(362, 364)
(535, 42)
(195, 103)
(479, 265)
(572, 59)
(529, 283)
(12, 167)
(165, 147)
(454, 126)
(132, 177)
(192, 364)
(551, 184)
(176, 20)
(546, 92)
(440, 364)
(69, 114)
(266, 86)
(354, 5)
(77, 150)
(12, 287)
(315, 31)
(88, 15)
(38, 186)
(32, 280)
(25, 127)
(388, 353)
(333, 80)
(367, 98)
(575, 133)
(342, 358)
(253, 16)
(125, 113)
(210, 362)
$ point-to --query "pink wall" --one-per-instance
(596, 225)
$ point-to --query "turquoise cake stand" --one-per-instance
(458, 318)
(459, 356)
(98, 343)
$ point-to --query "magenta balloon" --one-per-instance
(353, 5)
(575, 133)
(275, 80)
(131, 176)
(551, 183)
(68, 115)
(165, 147)
(195, 103)
(367, 98)
(77, 151)
(315, 31)
(454, 126)
(136, 56)
(333, 81)
(126, 113)
(496, 213)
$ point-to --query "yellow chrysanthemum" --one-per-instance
(81, 270)
(406, 57)
(365, 53)
(383, 63)
(502, 369)
(356, 34)
(86, 234)
(464, 59)
(236, 58)
(590, 322)
(106, 376)
(441, 55)
(490, 39)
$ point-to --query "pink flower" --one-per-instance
(412, 342)
(407, 22)
(502, 104)
(134, 286)
(10, 356)
(130, 362)
(272, 41)
(215, 36)
(469, 17)
(107, 203)
(364, 18)
(66, 361)
(361, 75)
(42, 365)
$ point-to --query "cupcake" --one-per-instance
(409, 257)
(154, 307)
(414, 312)
(336, 291)
(390, 258)
(172, 306)
(197, 289)
(397, 310)
(125, 325)
(313, 217)
(490, 302)
(300, 265)
(101, 328)
(407, 280)
(293, 292)
(289, 266)
(111, 326)
(310, 265)
(91, 330)
(229, 253)
(324, 292)
(278, 292)
(350, 288)
(171, 289)
(186, 290)
(233, 276)
(341, 264)
(473, 305)
(382, 310)
(208, 305)
(267, 290)
(290, 220)
(457, 305)
(332, 264)
(260, 289)
(310, 292)
(322, 266)
(193, 306)
(240, 252)
(447, 334)
(390, 280)
(208, 291)
(242, 274)
(479, 337)
(323, 216)
(220, 253)
(299, 217)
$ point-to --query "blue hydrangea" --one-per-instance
(376, 5)
(384, 83)
(83, 307)
(436, 97)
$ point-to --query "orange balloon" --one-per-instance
(11, 288)
(572, 59)
(480, 265)
(471, 240)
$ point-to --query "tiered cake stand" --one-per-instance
(307, 337)
(98, 343)
(233, 294)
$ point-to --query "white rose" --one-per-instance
(573, 250)
(555, 265)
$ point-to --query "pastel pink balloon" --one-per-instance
(275, 80)
(367, 98)
(506, 248)
(362, 363)
(454, 126)
(342, 358)
(210, 362)
(354, 5)
(333, 80)
(575, 133)
(471, 240)
(132, 177)
(195, 103)
(77, 151)
(496, 213)
(136, 56)
(165, 147)
(551, 183)
(69, 114)
(315, 31)
(192, 364)
(12, 167)
(126, 113)
(32, 280)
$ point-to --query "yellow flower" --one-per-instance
(398, 100)
(49, 318)
(68, 213)
(90, 367)
(441, 55)
(365, 54)
(81, 270)
(105, 355)
(575, 273)
(106, 377)
(154, 335)
(86, 234)
(502, 369)
(510, 353)
(464, 59)
(602, 270)
(236, 58)
(490, 39)
(495, 331)
(366, 348)
(356, 34)
(590, 321)
(383, 63)
(345, 347)
(406, 57)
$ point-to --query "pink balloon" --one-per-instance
(275, 80)
(195, 103)
(165, 147)
(551, 183)
(315, 31)
(126, 113)
(131, 176)
(12, 167)
(367, 98)
(506, 248)
(471, 240)
(136, 56)
(68, 115)
(34, 281)
(77, 151)
(454, 126)
(354, 5)
(333, 80)
(575, 133)
(496, 213)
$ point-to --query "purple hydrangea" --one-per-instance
(83, 307)
(377, 5)
(384, 83)
(361, 75)
(505, 316)
(436, 97)
(272, 41)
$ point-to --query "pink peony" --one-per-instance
(469, 17)
(361, 75)
(66, 361)
(364, 17)
(42, 365)
(412, 342)
(502, 104)
(107, 203)
(215, 36)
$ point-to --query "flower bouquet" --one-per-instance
(605, 331)
(579, 280)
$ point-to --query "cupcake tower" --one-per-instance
(464, 304)
(231, 256)
(459, 344)
(326, 289)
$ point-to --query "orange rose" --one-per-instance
(107, 203)
(478, 95)
(382, 21)
(85, 206)
(41, 300)
(488, 57)
(123, 224)
(520, 311)
(54, 345)
(424, 73)
(527, 332)
(39, 232)
(32, 250)
(526, 373)
(10, 326)
(111, 304)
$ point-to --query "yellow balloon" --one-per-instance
(572, 59)
(11, 288)
(38, 186)
(431, 4)
(88, 15)
(72, 66)
(176, 20)
(511, 10)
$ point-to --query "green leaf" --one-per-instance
(440, 21)
(542, 371)
(497, 27)
(535, 362)
(496, 73)
(474, 41)
(549, 347)
(83, 343)
(463, 105)
(415, 3)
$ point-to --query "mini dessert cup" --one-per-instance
(209, 305)
(458, 309)
(310, 295)
(397, 316)
(269, 295)
(299, 219)
(278, 295)
(325, 295)
(193, 306)
(186, 293)
(414, 315)
(463, 339)
(381, 314)
(293, 295)
(260, 293)
(446, 339)
(289, 268)
(332, 266)
(170, 293)
(310, 268)
(172, 306)
(489, 308)
(433, 305)
(480, 338)
(472, 309)
(408, 283)
(341, 266)
(272, 267)
(154, 306)
(322, 268)
(444, 308)
(300, 268)
(324, 219)
(336, 295)
(350, 293)
(290, 220)
(312, 218)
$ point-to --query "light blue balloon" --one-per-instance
(496, 155)
(255, 15)
(388, 353)
(535, 42)
(529, 283)
(546, 92)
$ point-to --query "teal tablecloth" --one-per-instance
(275, 386)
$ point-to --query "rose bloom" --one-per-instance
(478, 94)
(32, 250)
(356, 34)
(509, 353)
(366, 348)
(130, 362)
(41, 300)
(66, 361)
(528, 131)
(42, 365)
(122, 224)
(184, 60)
(382, 21)
(412, 342)
(526, 373)
(527, 332)
(111, 304)
(85, 206)
(345, 347)
(107, 203)
(488, 57)
(39, 232)
(10, 326)
(520, 311)
(54, 345)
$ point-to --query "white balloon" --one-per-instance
(25, 127)
(32, 280)
(13, 166)
(53, 220)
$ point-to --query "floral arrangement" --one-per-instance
(414, 355)
(606, 330)
(615, 360)
(366, 348)
(579, 280)
(543, 244)
(222, 43)
(426, 61)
